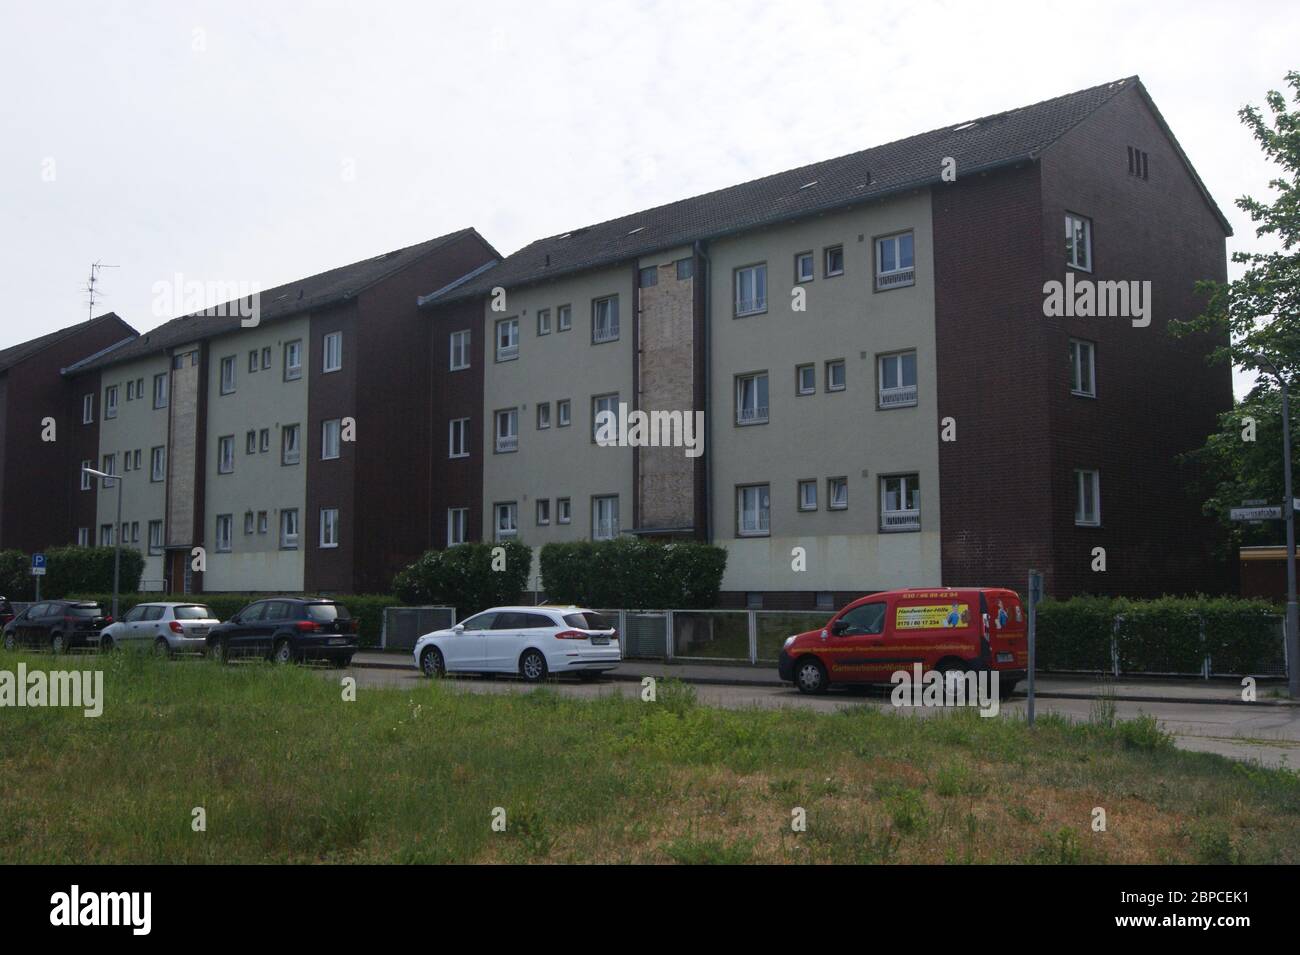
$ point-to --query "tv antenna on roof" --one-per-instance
(90, 287)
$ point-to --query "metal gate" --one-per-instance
(645, 635)
(404, 625)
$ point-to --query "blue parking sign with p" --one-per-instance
(38, 565)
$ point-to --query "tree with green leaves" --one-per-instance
(1260, 311)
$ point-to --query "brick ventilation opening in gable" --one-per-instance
(1137, 162)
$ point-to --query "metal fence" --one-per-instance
(733, 636)
(404, 625)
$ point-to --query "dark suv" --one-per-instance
(58, 624)
(287, 629)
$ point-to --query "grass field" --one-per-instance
(288, 772)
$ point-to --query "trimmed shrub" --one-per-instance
(1075, 634)
(464, 577)
(69, 570)
(633, 573)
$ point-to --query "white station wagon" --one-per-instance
(165, 628)
(530, 641)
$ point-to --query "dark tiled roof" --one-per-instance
(21, 352)
(316, 291)
(985, 143)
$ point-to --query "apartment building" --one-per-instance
(293, 450)
(887, 400)
(41, 435)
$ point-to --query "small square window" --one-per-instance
(805, 379)
(808, 495)
(563, 413)
(837, 493)
(543, 415)
(544, 321)
(564, 318)
(834, 261)
(803, 267)
(835, 375)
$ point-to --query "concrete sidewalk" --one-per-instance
(1048, 686)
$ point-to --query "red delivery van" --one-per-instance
(942, 628)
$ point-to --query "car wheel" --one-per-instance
(283, 652)
(532, 666)
(11, 642)
(219, 651)
(161, 648)
(58, 643)
(431, 663)
(810, 676)
(106, 645)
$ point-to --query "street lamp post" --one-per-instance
(117, 533)
(1288, 514)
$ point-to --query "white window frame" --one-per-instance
(1087, 479)
(158, 464)
(563, 510)
(1077, 348)
(225, 533)
(88, 409)
(226, 461)
(507, 442)
(827, 271)
(800, 260)
(290, 444)
(83, 537)
(161, 390)
(604, 319)
(1073, 223)
(331, 358)
(155, 540)
(750, 407)
(227, 375)
(263, 440)
(457, 525)
(901, 394)
(331, 439)
(749, 298)
(110, 402)
(458, 428)
(760, 523)
(837, 494)
(844, 375)
(543, 321)
(293, 360)
(289, 530)
(601, 403)
(809, 484)
(510, 350)
(459, 346)
(86, 481)
(329, 528)
(604, 526)
(543, 415)
(507, 529)
(899, 276)
(563, 318)
(907, 517)
(799, 388)
(543, 511)
(563, 413)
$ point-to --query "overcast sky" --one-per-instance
(264, 142)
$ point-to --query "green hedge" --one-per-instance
(1165, 635)
(633, 573)
(466, 577)
(68, 570)
(367, 609)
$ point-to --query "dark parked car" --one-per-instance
(60, 625)
(287, 629)
(6, 611)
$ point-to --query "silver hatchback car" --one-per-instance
(165, 628)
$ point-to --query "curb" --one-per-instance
(774, 684)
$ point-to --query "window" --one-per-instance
(543, 321)
(507, 339)
(1078, 242)
(460, 350)
(106, 535)
(87, 409)
(160, 390)
(685, 269)
(1083, 368)
(289, 529)
(226, 454)
(837, 493)
(564, 318)
(834, 261)
(604, 410)
(330, 431)
(604, 517)
(264, 440)
(130, 390)
(835, 375)
(864, 620)
(458, 438)
(135, 459)
(457, 525)
(228, 375)
(648, 277)
(1137, 162)
(563, 510)
(155, 537)
(751, 398)
(109, 466)
(158, 463)
(895, 264)
(225, 528)
(1087, 498)
(751, 290)
(83, 537)
(248, 523)
(289, 445)
(506, 520)
(263, 522)
(329, 527)
(900, 503)
(604, 319)
(543, 511)
(110, 401)
(803, 267)
(507, 431)
(896, 375)
(252, 361)
(543, 415)
(563, 413)
(805, 379)
(292, 360)
(126, 461)
(250, 443)
(85, 478)
(135, 532)
(808, 495)
(332, 352)
(753, 506)
(266, 358)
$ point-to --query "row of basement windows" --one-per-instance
(895, 385)
(258, 441)
(900, 503)
(505, 517)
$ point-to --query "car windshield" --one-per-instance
(327, 612)
(590, 620)
(194, 612)
(85, 610)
